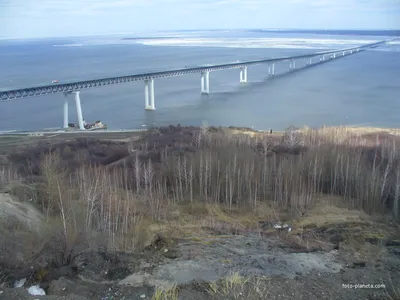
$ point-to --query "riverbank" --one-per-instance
(202, 213)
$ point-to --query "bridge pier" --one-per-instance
(205, 82)
(292, 65)
(79, 110)
(149, 103)
(243, 75)
(65, 111)
(271, 69)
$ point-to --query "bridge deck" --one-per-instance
(67, 87)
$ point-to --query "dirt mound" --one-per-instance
(12, 211)
(21, 226)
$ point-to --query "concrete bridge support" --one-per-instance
(79, 110)
(65, 111)
(205, 82)
(149, 103)
(243, 75)
(271, 69)
(292, 65)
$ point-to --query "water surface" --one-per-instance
(361, 89)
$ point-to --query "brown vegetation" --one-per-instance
(117, 196)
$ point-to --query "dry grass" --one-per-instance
(331, 223)
(329, 210)
(201, 221)
(392, 291)
(236, 286)
(352, 136)
(349, 130)
(171, 293)
(233, 284)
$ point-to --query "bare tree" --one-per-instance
(292, 138)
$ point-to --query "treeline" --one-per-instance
(97, 193)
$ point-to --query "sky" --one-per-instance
(60, 18)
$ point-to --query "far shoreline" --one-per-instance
(349, 128)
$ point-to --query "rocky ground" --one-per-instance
(245, 266)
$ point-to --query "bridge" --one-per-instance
(68, 88)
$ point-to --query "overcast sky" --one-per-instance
(45, 18)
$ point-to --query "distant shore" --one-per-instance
(46, 131)
(149, 38)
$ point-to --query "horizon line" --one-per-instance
(199, 29)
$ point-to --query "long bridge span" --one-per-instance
(75, 87)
